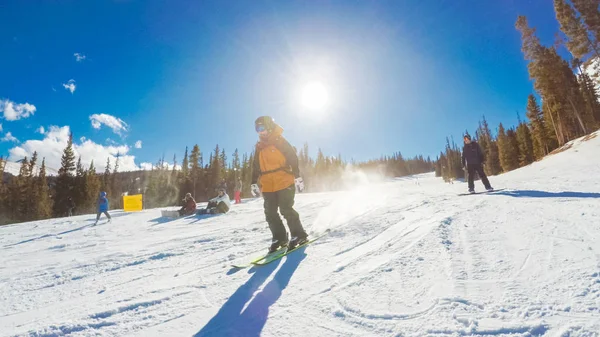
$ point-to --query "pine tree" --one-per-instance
(223, 164)
(105, 186)
(503, 148)
(247, 174)
(525, 144)
(116, 190)
(591, 17)
(32, 164)
(513, 146)
(216, 170)
(44, 203)
(236, 164)
(185, 164)
(65, 180)
(592, 101)
(174, 172)
(578, 41)
(492, 162)
(538, 128)
(80, 193)
(93, 189)
(196, 171)
(21, 191)
(489, 147)
(31, 198)
(556, 83)
(508, 147)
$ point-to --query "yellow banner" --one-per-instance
(132, 203)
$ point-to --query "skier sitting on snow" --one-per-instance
(473, 156)
(219, 204)
(102, 207)
(189, 206)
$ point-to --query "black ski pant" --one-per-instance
(471, 169)
(283, 201)
(100, 213)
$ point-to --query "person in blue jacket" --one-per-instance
(102, 207)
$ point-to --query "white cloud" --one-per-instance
(116, 124)
(70, 85)
(110, 141)
(79, 57)
(146, 166)
(40, 130)
(0, 127)
(9, 138)
(14, 111)
(55, 140)
(138, 144)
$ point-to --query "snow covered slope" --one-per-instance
(14, 168)
(406, 257)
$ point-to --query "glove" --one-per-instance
(255, 190)
(299, 183)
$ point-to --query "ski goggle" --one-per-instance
(260, 128)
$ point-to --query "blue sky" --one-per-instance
(400, 75)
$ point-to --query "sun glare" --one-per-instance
(314, 96)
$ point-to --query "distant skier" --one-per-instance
(217, 205)
(102, 207)
(276, 165)
(238, 191)
(70, 206)
(189, 206)
(473, 156)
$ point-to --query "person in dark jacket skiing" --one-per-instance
(189, 206)
(473, 159)
(275, 167)
(102, 207)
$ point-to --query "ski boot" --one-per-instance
(472, 191)
(489, 189)
(297, 241)
(277, 244)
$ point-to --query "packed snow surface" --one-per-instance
(404, 257)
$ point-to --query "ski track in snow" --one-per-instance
(404, 257)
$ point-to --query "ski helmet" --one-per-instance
(188, 195)
(264, 123)
(103, 194)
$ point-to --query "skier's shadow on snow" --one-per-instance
(245, 314)
(544, 194)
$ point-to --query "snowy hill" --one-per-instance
(14, 168)
(406, 257)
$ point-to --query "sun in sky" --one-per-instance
(315, 96)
